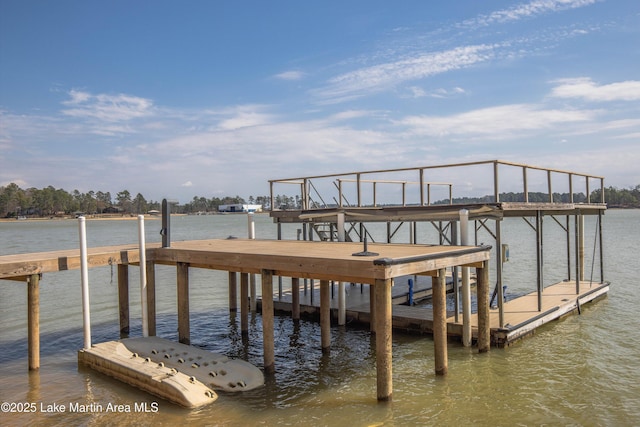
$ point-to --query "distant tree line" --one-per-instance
(614, 198)
(49, 201)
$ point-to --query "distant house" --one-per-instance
(154, 212)
(111, 210)
(238, 207)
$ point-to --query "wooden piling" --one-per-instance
(253, 299)
(372, 310)
(244, 303)
(384, 366)
(33, 321)
(151, 298)
(295, 298)
(325, 315)
(484, 332)
(267, 321)
(184, 333)
(123, 299)
(233, 291)
(440, 322)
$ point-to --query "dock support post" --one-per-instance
(143, 276)
(233, 292)
(151, 297)
(84, 279)
(251, 234)
(123, 299)
(165, 231)
(184, 333)
(244, 303)
(484, 325)
(253, 300)
(372, 309)
(342, 302)
(581, 244)
(295, 298)
(539, 258)
(499, 265)
(577, 254)
(267, 321)
(466, 282)
(384, 357)
(600, 246)
(325, 315)
(440, 322)
(33, 321)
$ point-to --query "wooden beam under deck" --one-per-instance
(318, 260)
(21, 265)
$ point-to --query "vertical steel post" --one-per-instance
(84, 276)
(539, 257)
(466, 286)
(525, 184)
(601, 248)
(568, 248)
(454, 272)
(496, 189)
(143, 276)
(577, 247)
(499, 272)
(166, 224)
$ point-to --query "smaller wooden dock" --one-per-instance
(521, 315)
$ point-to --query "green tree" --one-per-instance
(124, 200)
(140, 204)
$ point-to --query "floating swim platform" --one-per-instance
(179, 373)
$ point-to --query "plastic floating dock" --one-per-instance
(176, 372)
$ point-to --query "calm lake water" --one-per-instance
(581, 370)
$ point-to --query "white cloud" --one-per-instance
(187, 184)
(350, 114)
(244, 116)
(418, 92)
(383, 76)
(290, 75)
(500, 122)
(524, 11)
(107, 108)
(587, 89)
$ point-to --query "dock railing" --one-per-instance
(499, 169)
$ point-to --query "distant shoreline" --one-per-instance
(89, 218)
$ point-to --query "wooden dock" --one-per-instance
(324, 261)
(340, 257)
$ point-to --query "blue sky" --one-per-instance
(212, 98)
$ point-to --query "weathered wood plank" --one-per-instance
(384, 354)
(46, 262)
(123, 299)
(184, 331)
(268, 322)
(33, 321)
